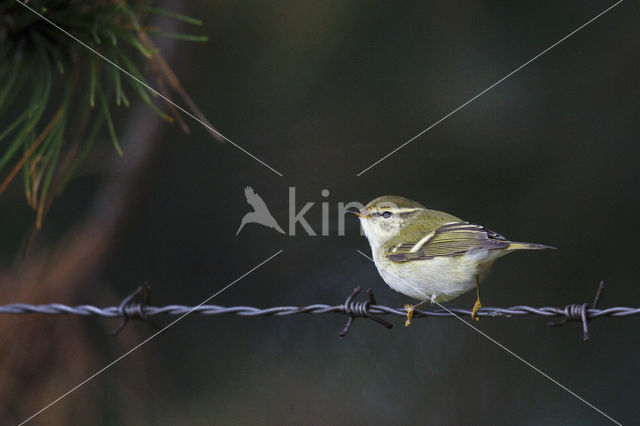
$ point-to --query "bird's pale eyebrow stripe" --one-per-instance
(396, 211)
(406, 214)
(421, 242)
(403, 210)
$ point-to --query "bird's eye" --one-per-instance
(386, 215)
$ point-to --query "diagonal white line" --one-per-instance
(147, 340)
(530, 365)
(500, 345)
(151, 89)
(492, 86)
(364, 255)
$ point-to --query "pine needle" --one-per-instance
(107, 117)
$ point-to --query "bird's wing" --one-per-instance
(451, 239)
(249, 193)
(254, 200)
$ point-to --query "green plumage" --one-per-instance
(429, 254)
(439, 233)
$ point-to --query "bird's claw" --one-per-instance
(410, 309)
(474, 311)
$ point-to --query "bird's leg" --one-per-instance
(411, 308)
(477, 305)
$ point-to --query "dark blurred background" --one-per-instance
(319, 91)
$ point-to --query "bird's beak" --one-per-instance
(356, 212)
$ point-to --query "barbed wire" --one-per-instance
(581, 312)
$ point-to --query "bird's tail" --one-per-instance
(529, 246)
(277, 227)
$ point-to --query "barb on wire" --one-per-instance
(360, 309)
(578, 312)
(581, 312)
(129, 310)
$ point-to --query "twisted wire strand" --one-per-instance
(251, 311)
(353, 309)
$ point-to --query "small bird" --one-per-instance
(428, 254)
(260, 213)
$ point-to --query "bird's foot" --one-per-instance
(474, 311)
(409, 309)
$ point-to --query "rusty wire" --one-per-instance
(580, 312)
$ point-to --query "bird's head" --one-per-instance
(384, 217)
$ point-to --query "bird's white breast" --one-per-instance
(445, 277)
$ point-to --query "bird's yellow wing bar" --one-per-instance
(451, 239)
